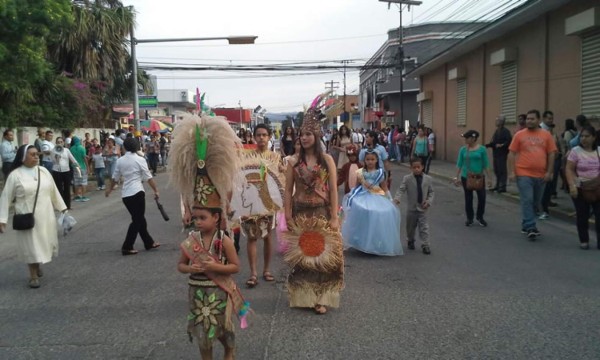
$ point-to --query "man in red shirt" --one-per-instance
(532, 153)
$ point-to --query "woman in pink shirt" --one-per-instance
(583, 164)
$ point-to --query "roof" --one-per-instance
(510, 21)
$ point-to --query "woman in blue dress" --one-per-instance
(372, 221)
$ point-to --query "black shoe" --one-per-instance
(500, 191)
(536, 232)
(411, 245)
(552, 204)
(523, 231)
(426, 249)
(494, 189)
(531, 235)
(482, 222)
(468, 223)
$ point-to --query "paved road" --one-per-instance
(484, 293)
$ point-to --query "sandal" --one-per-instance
(129, 252)
(320, 309)
(34, 283)
(268, 276)
(252, 282)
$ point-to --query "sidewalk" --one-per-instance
(446, 170)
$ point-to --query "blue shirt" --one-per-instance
(7, 151)
(382, 155)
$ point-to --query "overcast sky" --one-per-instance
(288, 31)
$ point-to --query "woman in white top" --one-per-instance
(37, 245)
(61, 170)
(134, 169)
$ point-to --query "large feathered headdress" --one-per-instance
(321, 107)
(203, 160)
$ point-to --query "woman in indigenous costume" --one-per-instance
(315, 251)
(203, 168)
(371, 220)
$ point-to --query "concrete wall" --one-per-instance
(548, 78)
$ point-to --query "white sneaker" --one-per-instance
(103, 187)
(99, 188)
(544, 216)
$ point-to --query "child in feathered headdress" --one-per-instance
(203, 168)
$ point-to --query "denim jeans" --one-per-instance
(48, 165)
(392, 151)
(530, 196)
(111, 163)
(100, 176)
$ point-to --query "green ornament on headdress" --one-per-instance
(201, 147)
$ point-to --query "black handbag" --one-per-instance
(27, 221)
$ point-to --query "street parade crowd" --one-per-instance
(243, 185)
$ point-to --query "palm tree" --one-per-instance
(95, 47)
(95, 50)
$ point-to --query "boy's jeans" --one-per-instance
(100, 177)
(530, 196)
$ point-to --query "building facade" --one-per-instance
(379, 102)
(543, 55)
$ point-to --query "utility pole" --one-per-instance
(346, 115)
(241, 116)
(332, 85)
(400, 3)
(401, 66)
(134, 80)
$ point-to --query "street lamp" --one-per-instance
(233, 40)
(241, 118)
(401, 49)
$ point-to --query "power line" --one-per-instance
(431, 15)
(264, 67)
(490, 16)
(241, 77)
(291, 61)
(153, 63)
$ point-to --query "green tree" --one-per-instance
(95, 53)
(27, 27)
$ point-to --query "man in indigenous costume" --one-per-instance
(204, 165)
(256, 201)
(315, 251)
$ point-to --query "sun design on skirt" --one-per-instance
(205, 311)
(313, 245)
